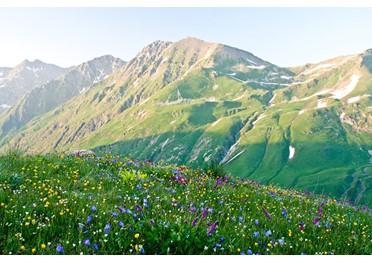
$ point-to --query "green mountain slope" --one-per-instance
(191, 102)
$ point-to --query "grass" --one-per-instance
(66, 204)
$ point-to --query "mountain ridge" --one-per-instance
(192, 101)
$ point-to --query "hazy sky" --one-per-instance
(283, 36)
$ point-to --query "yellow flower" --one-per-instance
(269, 245)
(22, 248)
(238, 249)
(2, 204)
(136, 235)
(33, 250)
(43, 246)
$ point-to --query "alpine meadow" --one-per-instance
(190, 147)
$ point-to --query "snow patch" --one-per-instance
(232, 74)
(342, 92)
(307, 72)
(81, 91)
(5, 106)
(256, 67)
(353, 99)
(250, 61)
(272, 99)
(238, 98)
(211, 99)
(301, 112)
(215, 87)
(286, 77)
(321, 104)
(238, 154)
(144, 101)
(172, 122)
(34, 70)
(260, 117)
(291, 152)
(216, 122)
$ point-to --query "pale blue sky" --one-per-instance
(283, 36)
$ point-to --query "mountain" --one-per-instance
(16, 82)
(56, 92)
(191, 102)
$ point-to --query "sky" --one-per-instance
(283, 36)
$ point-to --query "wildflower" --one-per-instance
(284, 213)
(152, 222)
(121, 224)
(301, 226)
(138, 208)
(142, 250)
(281, 241)
(240, 218)
(242, 253)
(204, 213)
(93, 208)
(316, 220)
(107, 228)
(95, 246)
(256, 234)
(33, 250)
(249, 252)
(60, 249)
(222, 239)
(87, 242)
(268, 232)
(136, 235)
(22, 248)
(212, 228)
(265, 213)
(289, 232)
(194, 222)
(256, 222)
(114, 214)
(218, 245)
(43, 246)
(89, 219)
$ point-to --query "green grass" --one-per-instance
(144, 208)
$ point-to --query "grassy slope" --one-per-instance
(46, 201)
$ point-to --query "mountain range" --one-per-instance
(190, 102)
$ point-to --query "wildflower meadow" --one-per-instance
(70, 204)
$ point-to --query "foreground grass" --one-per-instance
(59, 204)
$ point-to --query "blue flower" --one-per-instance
(59, 248)
(93, 208)
(107, 228)
(142, 250)
(256, 234)
(95, 246)
(281, 241)
(222, 239)
(87, 242)
(220, 202)
(284, 213)
(114, 214)
(256, 222)
(249, 252)
(268, 232)
(242, 253)
(121, 224)
(89, 219)
(139, 187)
(240, 218)
(218, 245)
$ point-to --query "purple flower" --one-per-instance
(138, 208)
(256, 234)
(59, 248)
(240, 218)
(222, 239)
(212, 228)
(152, 222)
(87, 242)
(121, 224)
(107, 228)
(265, 212)
(93, 208)
(320, 212)
(95, 246)
(204, 213)
(114, 214)
(301, 225)
(249, 252)
(284, 213)
(195, 221)
(89, 219)
(316, 220)
(256, 222)
(122, 210)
